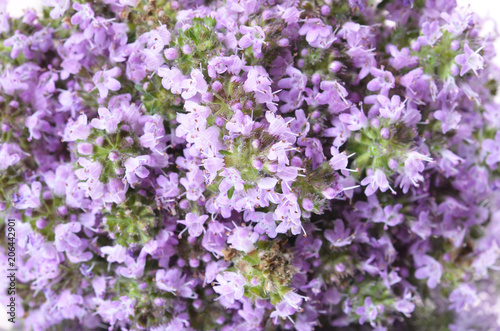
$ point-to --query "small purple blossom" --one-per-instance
(429, 269)
(231, 287)
(194, 224)
(470, 60)
(105, 81)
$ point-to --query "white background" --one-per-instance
(485, 8)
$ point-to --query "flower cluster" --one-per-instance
(250, 165)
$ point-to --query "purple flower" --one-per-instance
(193, 183)
(60, 7)
(492, 147)
(431, 33)
(240, 123)
(260, 84)
(108, 120)
(287, 306)
(414, 165)
(154, 133)
(243, 239)
(69, 305)
(135, 169)
(450, 119)
(296, 80)
(195, 84)
(376, 181)
(355, 120)
(462, 296)
(404, 305)
(487, 259)
(174, 282)
(194, 224)
(172, 79)
(77, 130)
(339, 236)
(230, 286)
(10, 154)
(278, 127)
(19, 42)
(27, 197)
(368, 312)
(458, 21)
(392, 108)
(252, 36)
(168, 187)
(317, 33)
(114, 311)
(105, 81)
(383, 81)
(401, 59)
(429, 269)
(83, 16)
(4, 18)
(470, 60)
(90, 170)
(232, 178)
(116, 253)
(66, 238)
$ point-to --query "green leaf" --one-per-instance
(230, 192)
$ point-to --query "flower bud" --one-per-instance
(113, 156)
(184, 204)
(257, 164)
(385, 133)
(62, 210)
(316, 128)
(415, 46)
(340, 267)
(206, 257)
(41, 223)
(99, 141)
(316, 78)
(256, 143)
(197, 304)
(194, 262)
(393, 164)
(216, 86)
(325, 10)
(186, 49)
(159, 302)
(171, 53)
(219, 121)
(335, 66)
(181, 262)
(296, 162)
(307, 204)
(283, 42)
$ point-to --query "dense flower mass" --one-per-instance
(250, 165)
